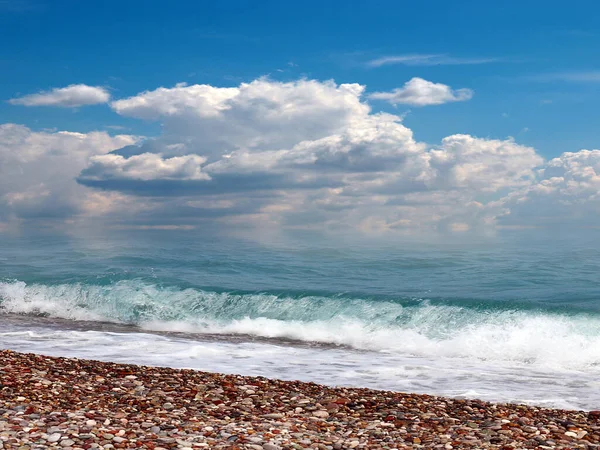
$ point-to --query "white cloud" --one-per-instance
(306, 152)
(378, 142)
(299, 154)
(145, 167)
(484, 165)
(262, 114)
(428, 60)
(38, 170)
(567, 190)
(68, 97)
(202, 100)
(420, 92)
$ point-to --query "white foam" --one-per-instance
(56, 301)
(487, 380)
(544, 341)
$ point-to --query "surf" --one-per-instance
(408, 326)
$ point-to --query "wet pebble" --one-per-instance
(77, 404)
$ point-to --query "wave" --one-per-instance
(420, 328)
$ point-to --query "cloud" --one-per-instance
(589, 76)
(304, 153)
(68, 97)
(428, 60)
(567, 191)
(262, 114)
(202, 100)
(38, 170)
(145, 167)
(420, 92)
(301, 154)
(483, 165)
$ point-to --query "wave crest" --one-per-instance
(416, 328)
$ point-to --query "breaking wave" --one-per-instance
(408, 326)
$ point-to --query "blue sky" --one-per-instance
(443, 115)
(531, 91)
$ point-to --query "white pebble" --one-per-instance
(54, 437)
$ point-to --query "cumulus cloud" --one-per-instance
(485, 165)
(68, 97)
(304, 153)
(202, 100)
(38, 170)
(567, 190)
(420, 92)
(262, 114)
(145, 167)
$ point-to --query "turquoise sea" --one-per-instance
(510, 317)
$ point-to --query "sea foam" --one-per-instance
(417, 328)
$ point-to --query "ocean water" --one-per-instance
(512, 317)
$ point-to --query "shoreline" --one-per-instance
(58, 323)
(48, 402)
(455, 377)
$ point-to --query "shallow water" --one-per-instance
(507, 318)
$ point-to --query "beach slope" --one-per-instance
(64, 403)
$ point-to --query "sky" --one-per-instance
(374, 116)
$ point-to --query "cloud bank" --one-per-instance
(38, 171)
(68, 97)
(300, 154)
(567, 191)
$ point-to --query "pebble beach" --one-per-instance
(48, 402)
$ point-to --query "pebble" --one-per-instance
(96, 405)
(269, 446)
(55, 437)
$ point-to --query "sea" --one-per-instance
(512, 316)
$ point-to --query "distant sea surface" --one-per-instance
(513, 317)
